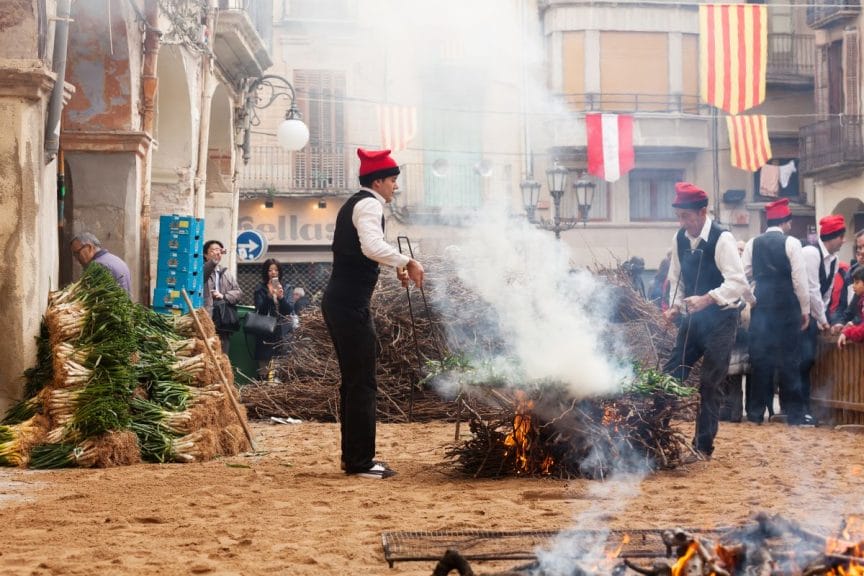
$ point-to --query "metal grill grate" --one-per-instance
(478, 545)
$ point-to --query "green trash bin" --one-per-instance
(242, 356)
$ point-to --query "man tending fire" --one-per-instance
(707, 283)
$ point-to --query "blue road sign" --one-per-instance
(251, 245)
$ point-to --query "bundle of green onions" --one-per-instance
(114, 382)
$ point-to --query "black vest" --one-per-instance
(772, 273)
(699, 271)
(354, 275)
(826, 280)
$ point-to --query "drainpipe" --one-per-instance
(149, 86)
(200, 182)
(55, 106)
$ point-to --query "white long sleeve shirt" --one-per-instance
(812, 261)
(800, 283)
(734, 286)
(366, 217)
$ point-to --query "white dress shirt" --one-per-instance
(734, 286)
(818, 301)
(366, 217)
(800, 283)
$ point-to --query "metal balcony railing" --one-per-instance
(822, 13)
(791, 58)
(613, 102)
(316, 170)
(260, 12)
(835, 144)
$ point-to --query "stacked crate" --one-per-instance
(180, 263)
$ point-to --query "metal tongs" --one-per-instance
(420, 360)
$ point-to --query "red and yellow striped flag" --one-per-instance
(733, 51)
(749, 146)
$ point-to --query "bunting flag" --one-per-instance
(733, 50)
(610, 145)
(749, 146)
(398, 126)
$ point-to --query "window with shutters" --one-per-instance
(652, 193)
(850, 72)
(321, 165)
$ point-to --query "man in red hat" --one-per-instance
(820, 261)
(707, 284)
(358, 250)
(773, 261)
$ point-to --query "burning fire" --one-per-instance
(522, 439)
(848, 545)
(680, 567)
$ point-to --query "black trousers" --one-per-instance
(353, 333)
(774, 346)
(808, 357)
(710, 335)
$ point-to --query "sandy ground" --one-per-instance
(290, 511)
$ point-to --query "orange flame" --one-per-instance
(849, 544)
(522, 438)
(681, 565)
(612, 554)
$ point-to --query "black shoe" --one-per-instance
(378, 471)
(805, 421)
(755, 419)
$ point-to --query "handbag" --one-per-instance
(225, 316)
(260, 325)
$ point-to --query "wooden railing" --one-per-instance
(837, 383)
(835, 143)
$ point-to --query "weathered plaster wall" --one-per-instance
(107, 204)
(99, 67)
(19, 32)
(28, 226)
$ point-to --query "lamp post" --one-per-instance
(530, 193)
(292, 134)
(556, 178)
(584, 189)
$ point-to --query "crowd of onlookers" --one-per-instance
(840, 314)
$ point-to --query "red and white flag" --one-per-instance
(398, 126)
(610, 145)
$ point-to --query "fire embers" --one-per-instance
(771, 546)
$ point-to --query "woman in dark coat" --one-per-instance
(272, 298)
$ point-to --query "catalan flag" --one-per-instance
(733, 51)
(398, 126)
(748, 141)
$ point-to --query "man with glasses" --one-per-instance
(87, 249)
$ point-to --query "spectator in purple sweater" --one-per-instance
(86, 248)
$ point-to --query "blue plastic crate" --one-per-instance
(177, 224)
(173, 242)
(174, 280)
(167, 298)
(179, 262)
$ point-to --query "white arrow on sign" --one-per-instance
(250, 246)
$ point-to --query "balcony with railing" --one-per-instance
(832, 147)
(242, 42)
(791, 59)
(315, 171)
(825, 13)
(633, 102)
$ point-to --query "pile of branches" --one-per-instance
(115, 383)
(458, 322)
(544, 431)
(311, 372)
